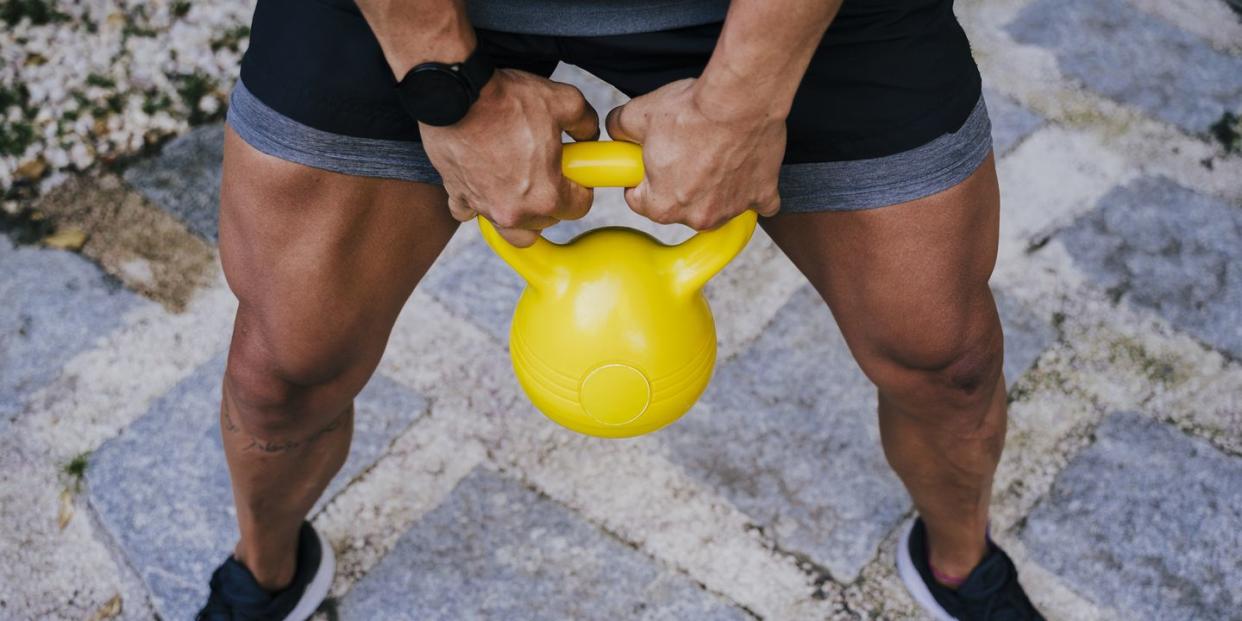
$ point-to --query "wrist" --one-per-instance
(448, 40)
(728, 96)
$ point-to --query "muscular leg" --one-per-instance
(908, 287)
(322, 264)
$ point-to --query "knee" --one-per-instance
(949, 371)
(276, 388)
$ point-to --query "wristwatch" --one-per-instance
(441, 94)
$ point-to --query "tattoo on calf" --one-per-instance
(275, 446)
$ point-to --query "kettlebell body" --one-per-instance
(612, 336)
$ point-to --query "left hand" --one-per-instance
(705, 161)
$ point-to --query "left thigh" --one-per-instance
(908, 283)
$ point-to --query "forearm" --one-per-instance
(416, 31)
(762, 54)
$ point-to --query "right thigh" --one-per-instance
(321, 263)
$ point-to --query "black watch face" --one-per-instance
(436, 96)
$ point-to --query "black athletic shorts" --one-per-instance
(889, 110)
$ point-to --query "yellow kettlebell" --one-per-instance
(613, 336)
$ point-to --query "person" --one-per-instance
(361, 134)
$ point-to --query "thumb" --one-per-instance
(574, 114)
(628, 122)
(520, 238)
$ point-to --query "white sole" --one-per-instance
(914, 581)
(317, 590)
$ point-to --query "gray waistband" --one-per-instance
(892, 179)
(820, 186)
(277, 135)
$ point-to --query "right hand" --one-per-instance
(503, 160)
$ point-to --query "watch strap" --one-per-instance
(476, 70)
(452, 94)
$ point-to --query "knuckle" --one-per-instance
(573, 97)
(543, 202)
(507, 219)
(661, 216)
(700, 221)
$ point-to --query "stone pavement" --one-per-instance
(1120, 493)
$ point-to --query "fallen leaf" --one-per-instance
(110, 609)
(32, 170)
(67, 238)
(66, 508)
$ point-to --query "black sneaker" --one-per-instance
(990, 593)
(236, 596)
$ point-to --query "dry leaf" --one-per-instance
(66, 508)
(32, 170)
(66, 238)
(110, 609)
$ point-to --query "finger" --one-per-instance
(528, 220)
(522, 238)
(574, 114)
(628, 122)
(575, 200)
(770, 207)
(636, 198)
(460, 209)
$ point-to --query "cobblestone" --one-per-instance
(1182, 79)
(1156, 244)
(56, 304)
(162, 488)
(496, 550)
(1145, 521)
(184, 178)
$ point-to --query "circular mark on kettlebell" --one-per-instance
(615, 394)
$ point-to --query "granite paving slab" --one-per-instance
(1162, 246)
(789, 435)
(56, 304)
(788, 432)
(497, 550)
(1027, 334)
(475, 284)
(161, 488)
(1011, 121)
(1136, 58)
(184, 179)
(1146, 521)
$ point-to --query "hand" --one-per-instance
(503, 160)
(705, 162)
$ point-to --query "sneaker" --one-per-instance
(237, 596)
(990, 593)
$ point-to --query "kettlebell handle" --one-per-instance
(600, 164)
(603, 164)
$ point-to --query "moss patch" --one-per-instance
(1159, 370)
(75, 469)
(1227, 130)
